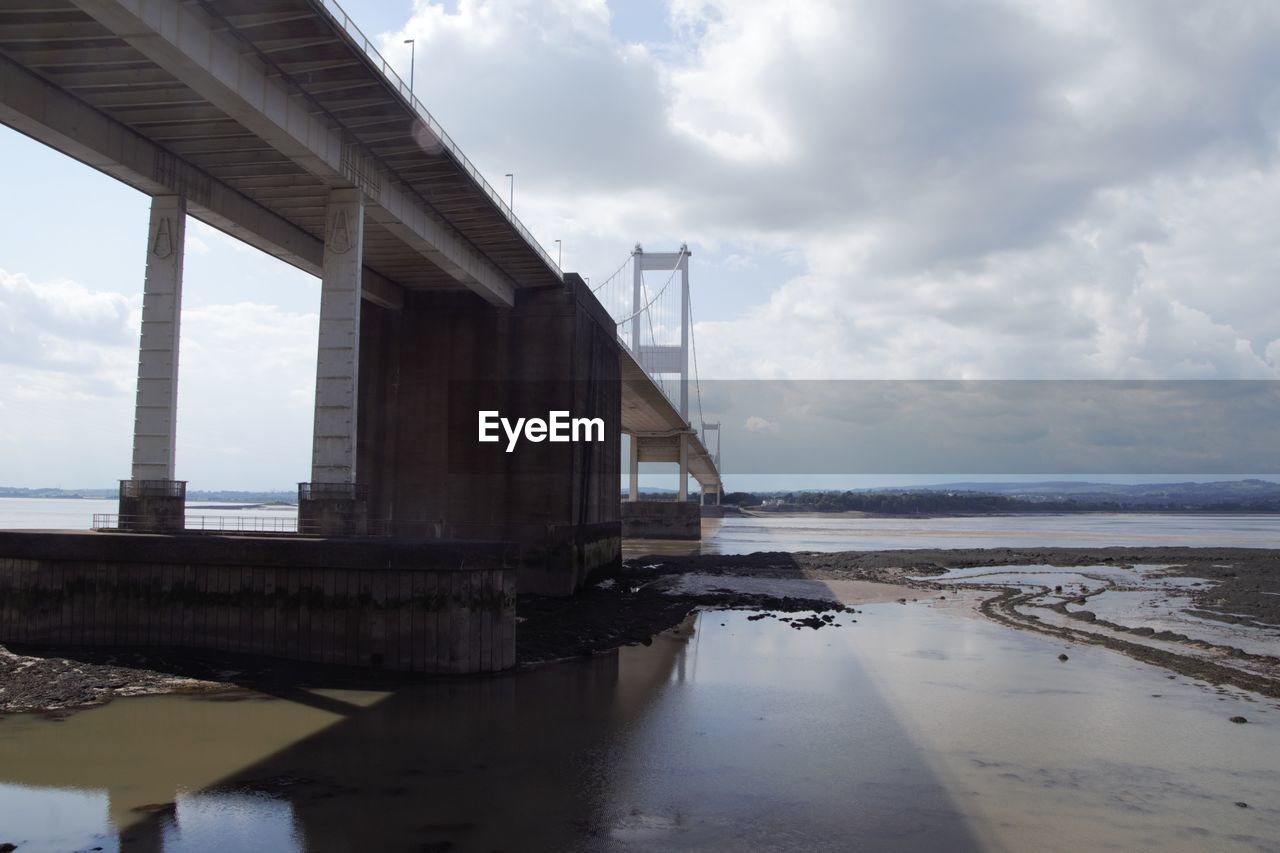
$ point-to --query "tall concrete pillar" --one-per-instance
(683, 491)
(633, 470)
(332, 503)
(152, 499)
(156, 417)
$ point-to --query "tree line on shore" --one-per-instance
(913, 502)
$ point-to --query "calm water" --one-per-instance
(745, 535)
(63, 514)
(915, 728)
(821, 533)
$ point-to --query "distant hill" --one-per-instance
(219, 496)
(1010, 498)
(1235, 492)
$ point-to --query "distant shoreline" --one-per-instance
(732, 510)
(755, 512)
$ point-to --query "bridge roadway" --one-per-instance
(278, 123)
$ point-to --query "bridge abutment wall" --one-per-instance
(410, 606)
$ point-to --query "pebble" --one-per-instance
(1239, 720)
(1063, 657)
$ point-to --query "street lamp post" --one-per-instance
(559, 254)
(413, 50)
(511, 192)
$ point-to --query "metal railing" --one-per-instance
(342, 19)
(202, 523)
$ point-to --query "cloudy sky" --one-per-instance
(1059, 189)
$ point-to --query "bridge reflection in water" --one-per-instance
(748, 736)
(488, 759)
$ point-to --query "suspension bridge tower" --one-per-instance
(662, 359)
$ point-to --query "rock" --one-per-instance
(1057, 589)
(1084, 615)
(1239, 720)
(1063, 657)
(1242, 804)
(7, 847)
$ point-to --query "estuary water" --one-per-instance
(812, 532)
(817, 532)
(913, 728)
(77, 514)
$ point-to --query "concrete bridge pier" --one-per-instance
(152, 500)
(332, 504)
(426, 372)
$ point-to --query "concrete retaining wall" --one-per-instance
(661, 520)
(420, 607)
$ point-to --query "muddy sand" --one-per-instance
(651, 594)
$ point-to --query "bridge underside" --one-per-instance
(253, 112)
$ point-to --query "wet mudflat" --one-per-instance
(892, 727)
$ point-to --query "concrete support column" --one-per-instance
(633, 470)
(331, 504)
(333, 449)
(152, 500)
(156, 416)
(683, 491)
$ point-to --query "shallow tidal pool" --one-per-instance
(907, 727)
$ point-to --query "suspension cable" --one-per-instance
(612, 277)
(657, 295)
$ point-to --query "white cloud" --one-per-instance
(60, 325)
(997, 189)
(246, 388)
(758, 424)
